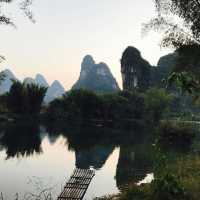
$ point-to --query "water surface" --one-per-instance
(35, 157)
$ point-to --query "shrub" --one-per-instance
(172, 133)
(157, 103)
(81, 104)
(136, 192)
(168, 187)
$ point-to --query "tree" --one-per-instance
(25, 99)
(179, 21)
(15, 98)
(24, 6)
(83, 102)
(157, 102)
(35, 95)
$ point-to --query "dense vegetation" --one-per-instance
(86, 105)
(178, 21)
(24, 98)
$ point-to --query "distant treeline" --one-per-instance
(83, 104)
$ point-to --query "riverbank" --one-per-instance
(175, 168)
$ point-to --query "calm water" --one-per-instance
(33, 156)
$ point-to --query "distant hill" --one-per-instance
(166, 64)
(163, 69)
(139, 73)
(95, 77)
(7, 82)
(54, 91)
(136, 71)
(29, 80)
(40, 80)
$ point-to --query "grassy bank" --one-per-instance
(176, 167)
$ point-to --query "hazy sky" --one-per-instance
(67, 30)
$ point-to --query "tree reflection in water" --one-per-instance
(20, 139)
(92, 146)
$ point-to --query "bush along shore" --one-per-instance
(124, 106)
(176, 166)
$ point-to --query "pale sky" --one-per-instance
(67, 30)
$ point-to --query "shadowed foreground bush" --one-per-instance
(172, 133)
(167, 187)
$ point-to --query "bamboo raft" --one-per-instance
(77, 185)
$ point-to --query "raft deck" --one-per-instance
(77, 185)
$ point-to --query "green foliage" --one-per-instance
(186, 72)
(179, 21)
(124, 105)
(186, 30)
(35, 95)
(76, 104)
(172, 133)
(157, 102)
(163, 70)
(135, 192)
(135, 107)
(22, 4)
(56, 110)
(168, 187)
(183, 80)
(113, 106)
(187, 168)
(25, 99)
(182, 173)
(15, 98)
(83, 104)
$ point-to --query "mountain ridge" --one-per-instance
(55, 90)
(95, 77)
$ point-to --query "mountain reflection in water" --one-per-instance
(53, 151)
